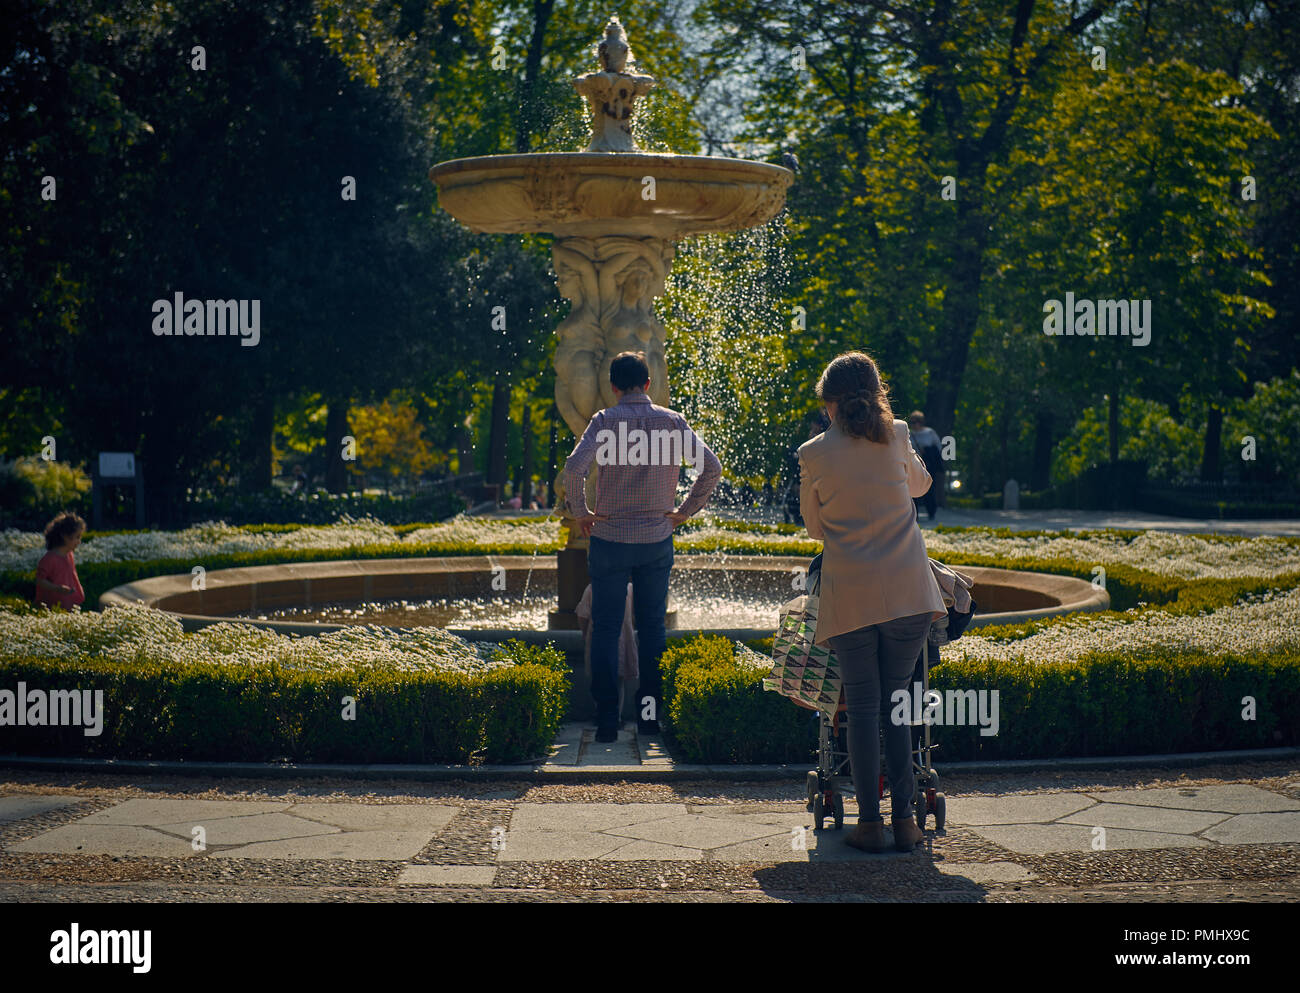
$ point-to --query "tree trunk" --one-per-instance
(961, 309)
(1042, 474)
(336, 428)
(1210, 468)
(500, 426)
(255, 468)
(526, 123)
(1112, 424)
(551, 457)
(526, 487)
(1004, 430)
(464, 451)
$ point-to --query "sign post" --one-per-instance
(116, 469)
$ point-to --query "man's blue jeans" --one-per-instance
(611, 566)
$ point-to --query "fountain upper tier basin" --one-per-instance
(598, 194)
(1003, 595)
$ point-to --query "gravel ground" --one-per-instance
(1242, 873)
(1194, 891)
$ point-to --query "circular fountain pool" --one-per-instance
(498, 597)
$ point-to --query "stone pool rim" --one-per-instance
(1073, 595)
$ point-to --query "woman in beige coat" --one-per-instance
(878, 595)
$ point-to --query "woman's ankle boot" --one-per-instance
(907, 835)
(868, 836)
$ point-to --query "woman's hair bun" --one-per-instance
(855, 406)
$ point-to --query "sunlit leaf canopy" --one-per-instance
(959, 164)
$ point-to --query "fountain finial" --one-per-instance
(611, 92)
(614, 51)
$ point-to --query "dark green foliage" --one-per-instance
(280, 507)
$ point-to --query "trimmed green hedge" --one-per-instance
(268, 713)
(1114, 704)
(1098, 705)
(718, 711)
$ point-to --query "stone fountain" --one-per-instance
(617, 214)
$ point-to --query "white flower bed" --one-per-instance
(769, 543)
(1256, 625)
(1179, 556)
(476, 531)
(136, 633)
(23, 549)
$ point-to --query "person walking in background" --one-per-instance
(925, 441)
(878, 594)
(56, 574)
(631, 530)
(816, 425)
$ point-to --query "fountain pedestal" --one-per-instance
(571, 579)
(617, 214)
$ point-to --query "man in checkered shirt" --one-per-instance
(640, 448)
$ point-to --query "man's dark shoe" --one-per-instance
(607, 734)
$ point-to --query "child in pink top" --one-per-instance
(56, 574)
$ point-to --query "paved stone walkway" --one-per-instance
(1135, 835)
(575, 746)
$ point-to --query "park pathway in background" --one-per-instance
(1062, 520)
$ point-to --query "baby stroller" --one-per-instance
(827, 784)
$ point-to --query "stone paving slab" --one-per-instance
(243, 830)
(1033, 808)
(775, 819)
(1125, 815)
(1044, 839)
(649, 851)
(376, 816)
(362, 845)
(1257, 829)
(696, 831)
(107, 839)
(782, 848)
(567, 817)
(16, 808)
(163, 827)
(173, 811)
(1228, 798)
(566, 747)
(622, 752)
(653, 751)
(557, 846)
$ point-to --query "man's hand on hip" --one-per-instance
(676, 516)
(588, 521)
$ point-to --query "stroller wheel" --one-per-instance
(819, 812)
(813, 787)
(837, 809)
(940, 811)
(920, 814)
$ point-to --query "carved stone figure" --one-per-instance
(581, 343)
(611, 94)
(612, 283)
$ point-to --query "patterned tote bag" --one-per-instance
(806, 673)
